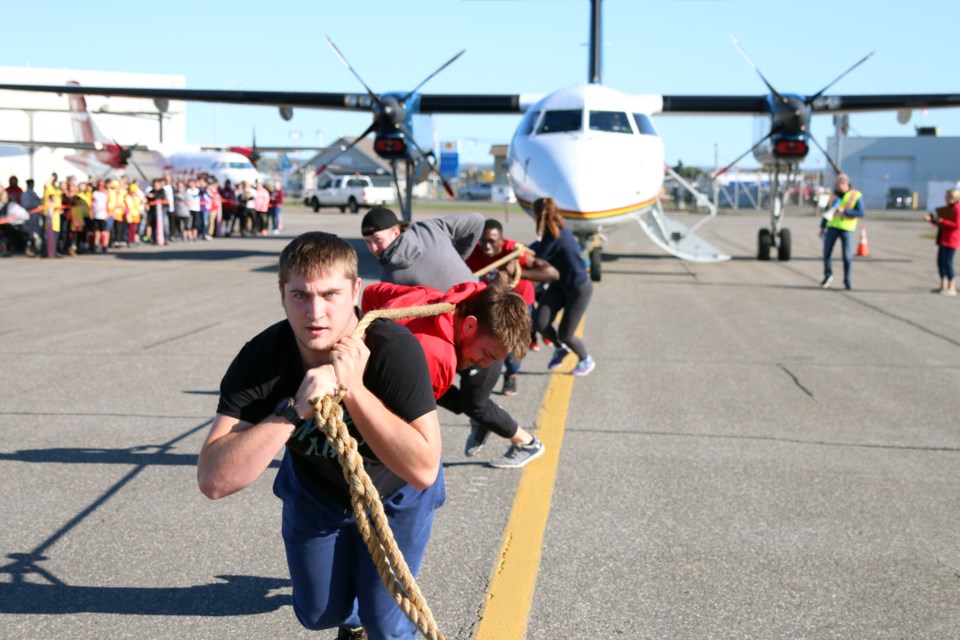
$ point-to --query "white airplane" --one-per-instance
(591, 148)
(99, 156)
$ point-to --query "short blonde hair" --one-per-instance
(317, 253)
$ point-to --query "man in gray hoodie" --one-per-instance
(431, 253)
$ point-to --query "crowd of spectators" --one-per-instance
(71, 216)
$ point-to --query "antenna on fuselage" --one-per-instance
(596, 43)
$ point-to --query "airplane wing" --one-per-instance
(80, 146)
(761, 104)
(429, 103)
(223, 147)
(847, 104)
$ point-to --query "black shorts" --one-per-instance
(98, 225)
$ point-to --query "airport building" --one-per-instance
(877, 165)
(45, 118)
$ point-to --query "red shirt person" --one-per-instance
(493, 246)
(489, 323)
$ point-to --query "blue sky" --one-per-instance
(512, 46)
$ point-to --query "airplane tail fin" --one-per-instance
(84, 128)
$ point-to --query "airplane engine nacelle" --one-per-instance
(391, 147)
(791, 149)
(286, 113)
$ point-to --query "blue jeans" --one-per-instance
(945, 261)
(846, 242)
(335, 582)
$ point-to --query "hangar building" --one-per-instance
(45, 117)
(878, 164)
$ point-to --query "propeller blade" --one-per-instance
(375, 97)
(426, 155)
(363, 135)
(810, 100)
(123, 153)
(833, 165)
(775, 93)
(742, 156)
(427, 79)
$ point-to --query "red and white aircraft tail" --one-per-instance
(84, 128)
(100, 156)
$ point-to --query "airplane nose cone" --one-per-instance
(589, 173)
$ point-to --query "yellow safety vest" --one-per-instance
(847, 202)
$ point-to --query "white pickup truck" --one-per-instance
(348, 192)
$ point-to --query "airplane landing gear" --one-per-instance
(766, 241)
(783, 246)
(596, 255)
(591, 248)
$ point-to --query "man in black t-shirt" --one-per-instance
(388, 407)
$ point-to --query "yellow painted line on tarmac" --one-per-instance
(510, 596)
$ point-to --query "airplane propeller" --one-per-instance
(251, 153)
(123, 156)
(390, 115)
(833, 165)
(809, 101)
(254, 154)
(743, 155)
(791, 114)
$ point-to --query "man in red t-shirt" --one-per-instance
(490, 322)
(492, 247)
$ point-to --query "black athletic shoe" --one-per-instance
(509, 385)
(351, 633)
(476, 439)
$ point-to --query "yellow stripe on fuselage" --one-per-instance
(593, 215)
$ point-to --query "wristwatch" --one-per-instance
(286, 410)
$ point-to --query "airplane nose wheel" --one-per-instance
(596, 255)
(592, 253)
(765, 242)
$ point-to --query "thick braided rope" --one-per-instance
(513, 256)
(518, 251)
(387, 557)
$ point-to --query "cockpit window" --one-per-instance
(560, 121)
(526, 125)
(241, 165)
(614, 121)
(644, 126)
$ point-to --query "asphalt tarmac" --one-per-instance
(753, 457)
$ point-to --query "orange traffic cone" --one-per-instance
(863, 249)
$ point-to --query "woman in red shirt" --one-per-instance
(948, 239)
